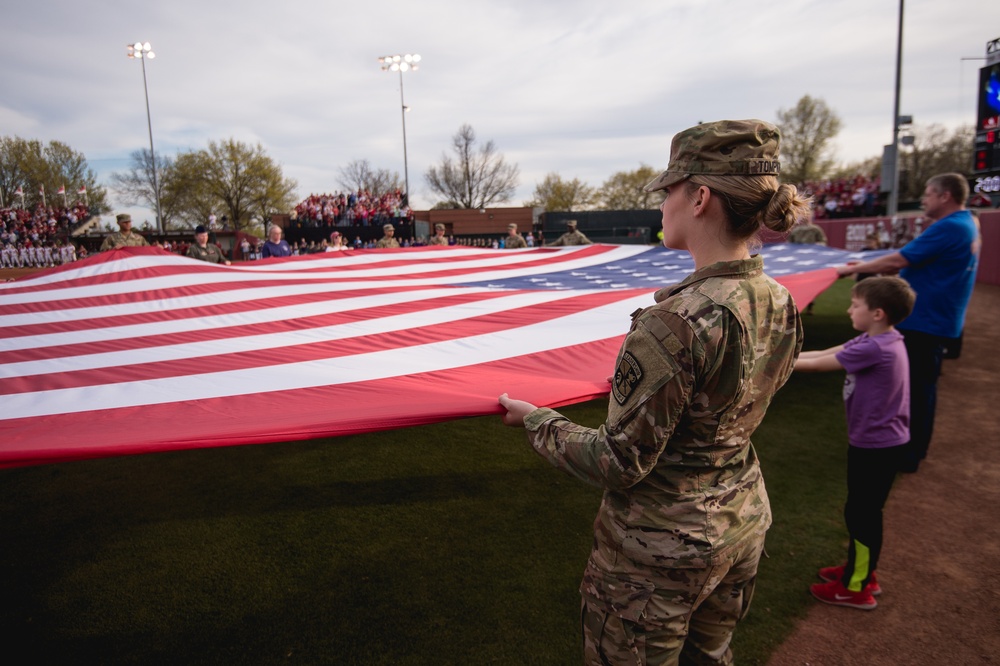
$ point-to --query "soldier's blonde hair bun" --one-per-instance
(752, 202)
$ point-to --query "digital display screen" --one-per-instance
(989, 98)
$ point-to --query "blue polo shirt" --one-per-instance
(943, 261)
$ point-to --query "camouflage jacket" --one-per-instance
(574, 237)
(807, 234)
(515, 242)
(116, 240)
(385, 241)
(692, 381)
(437, 240)
(209, 253)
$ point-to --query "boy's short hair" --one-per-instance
(890, 294)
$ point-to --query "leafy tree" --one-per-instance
(229, 177)
(556, 194)
(934, 151)
(624, 190)
(359, 175)
(477, 177)
(807, 130)
(30, 165)
(870, 167)
(135, 185)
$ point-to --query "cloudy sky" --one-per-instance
(582, 88)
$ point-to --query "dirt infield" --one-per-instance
(940, 565)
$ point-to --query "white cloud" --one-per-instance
(580, 88)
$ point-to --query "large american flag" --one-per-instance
(137, 350)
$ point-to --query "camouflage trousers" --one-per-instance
(689, 616)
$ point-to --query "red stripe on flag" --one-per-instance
(314, 412)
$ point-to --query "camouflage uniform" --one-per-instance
(516, 242)
(386, 241)
(573, 237)
(117, 239)
(681, 525)
(807, 234)
(437, 240)
(209, 253)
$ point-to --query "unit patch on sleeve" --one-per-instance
(627, 377)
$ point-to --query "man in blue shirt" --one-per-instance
(275, 246)
(940, 265)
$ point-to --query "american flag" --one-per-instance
(137, 350)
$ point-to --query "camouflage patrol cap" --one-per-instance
(388, 227)
(722, 148)
(439, 226)
(512, 225)
(571, 223)
(123, 217)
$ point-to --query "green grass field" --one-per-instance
(444, 544)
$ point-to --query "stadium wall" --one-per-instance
(849, 234)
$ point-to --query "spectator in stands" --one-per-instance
(438, 238)
(572, 236)
(202, 250)
(514, 240)
(336, 243)
(387, 240)
(275, 246)
(124, 237)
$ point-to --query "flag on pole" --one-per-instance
(41, 190)
(82, 190)
(19, 192)
(61, 190)
(138, 350)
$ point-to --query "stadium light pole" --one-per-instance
(893, 204)
(402, 63)
(142, 52)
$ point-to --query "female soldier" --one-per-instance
(681, 526)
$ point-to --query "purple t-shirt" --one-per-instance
(877, 390)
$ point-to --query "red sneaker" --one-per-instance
(836, 573)
(836, 594)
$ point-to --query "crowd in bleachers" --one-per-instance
(39, 236)
(844, 197)
(359, 208)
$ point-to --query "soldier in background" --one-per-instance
(124, 237)
(571, 237)
(388, 240)
(202, 250)
(680, 530)
(807, 233)
(438, 238)
(514, 240)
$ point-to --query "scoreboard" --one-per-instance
(986, 152)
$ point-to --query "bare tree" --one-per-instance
(135, 185)
(359, 175)
(476, 178)
(934, 151)
(806, 132)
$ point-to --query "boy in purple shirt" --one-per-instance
(877, 398)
